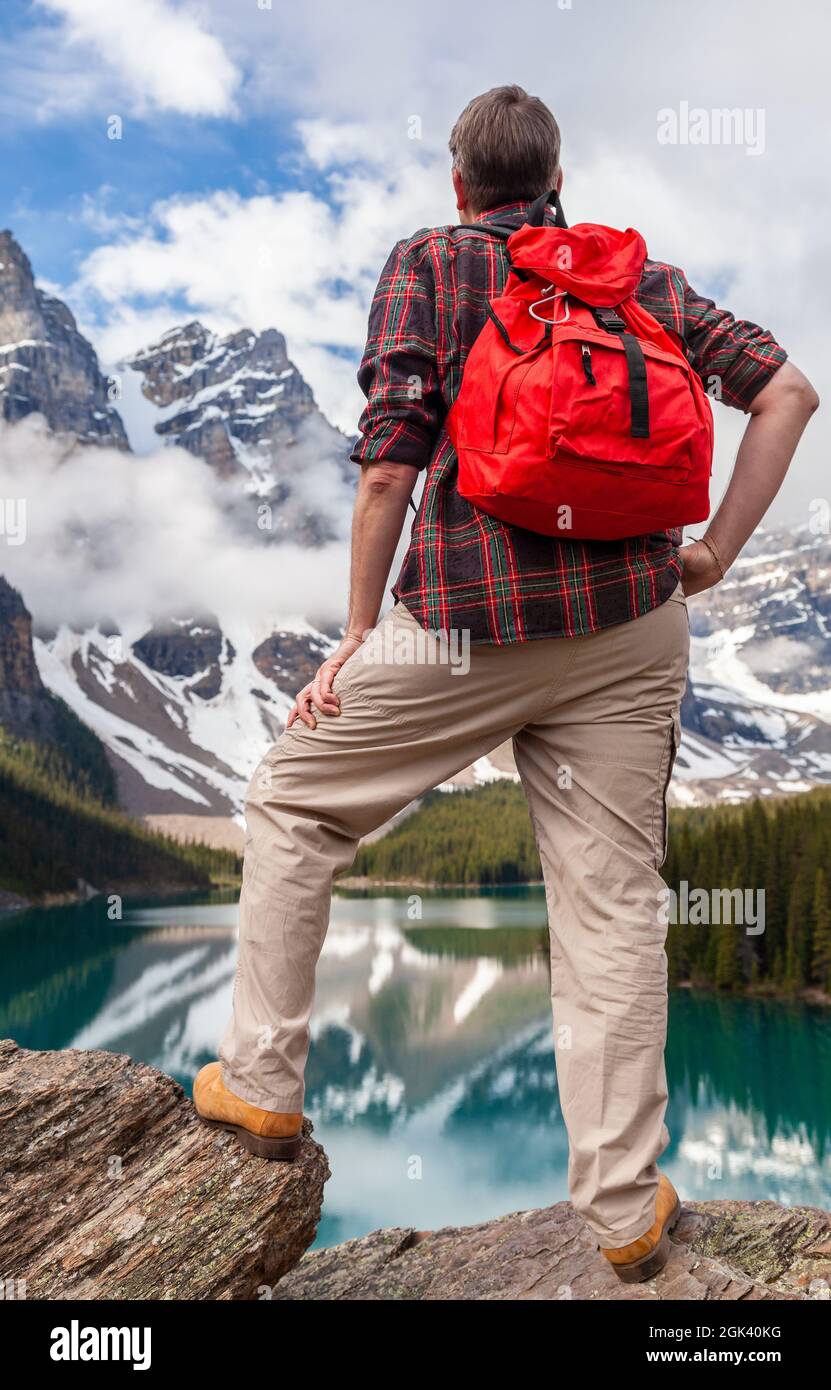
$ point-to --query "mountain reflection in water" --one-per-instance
(431, 1078)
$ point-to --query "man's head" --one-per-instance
(506, 149)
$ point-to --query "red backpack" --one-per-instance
(578, 414)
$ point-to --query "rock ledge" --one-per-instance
(723, 1250)
(111, 1188)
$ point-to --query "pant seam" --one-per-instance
(664, 775)
(560, 679)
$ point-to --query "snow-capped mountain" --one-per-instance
(185, 706)
(757, 716)
(240, 404)
(185, 710)
(46, 365)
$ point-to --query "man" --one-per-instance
(578, 653)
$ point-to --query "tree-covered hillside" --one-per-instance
(54, 831)
(481, 836)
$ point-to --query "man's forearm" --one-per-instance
(778, 417)
(383, 493)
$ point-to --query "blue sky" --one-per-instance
(50, 167)
(267, 165)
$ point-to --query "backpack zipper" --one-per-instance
(587, 363)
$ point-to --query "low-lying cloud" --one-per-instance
(136, 539)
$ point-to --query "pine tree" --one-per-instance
(728, 938)
(821, 943)
(798, 926)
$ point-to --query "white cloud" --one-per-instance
(327, 144)
(110, 534)
(96, 215)
(162, 57)
(290, 261)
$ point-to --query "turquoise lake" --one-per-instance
(431, 1080)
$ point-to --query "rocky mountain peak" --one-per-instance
(239, 402)
(18, 297)
(46, 366)
(27, 709)
(242, 368)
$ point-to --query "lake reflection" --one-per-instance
(431, 1078)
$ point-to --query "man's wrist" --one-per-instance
(716, 550)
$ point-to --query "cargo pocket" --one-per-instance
(660, 825)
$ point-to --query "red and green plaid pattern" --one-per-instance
(465, 569)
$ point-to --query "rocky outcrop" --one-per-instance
(31, 712)
(723, 1251)
(291, 659)
(46, 365)
(188, 648)
(112, 1188)
(23, 698)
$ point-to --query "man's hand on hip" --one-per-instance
(701, 570)
(318, 694)
(381, 502)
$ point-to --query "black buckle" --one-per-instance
(608, 319)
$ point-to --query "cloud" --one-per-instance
(162, 58)
(327, 144)
(95, 214)
(135, 539)
(291, 261)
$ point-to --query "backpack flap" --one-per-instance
(600, 265)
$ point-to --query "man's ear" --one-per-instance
(461, 195)
(559, 184)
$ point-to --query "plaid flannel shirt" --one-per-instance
(464, 568)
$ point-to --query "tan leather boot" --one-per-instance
(266, 1133)
(643, 1258)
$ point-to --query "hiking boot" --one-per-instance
(645, 1257)
(266, 1133)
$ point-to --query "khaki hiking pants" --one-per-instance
(595, 725)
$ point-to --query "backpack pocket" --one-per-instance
(498, 375)
(593, 420)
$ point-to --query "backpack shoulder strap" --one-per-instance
(500, 230)
(536, 215)
(611, 322)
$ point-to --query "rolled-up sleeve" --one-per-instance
(733, 357)
(398, 372)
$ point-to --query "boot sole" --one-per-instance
(650, 1265)
(280, 1150)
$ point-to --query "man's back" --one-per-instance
(468, 570)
